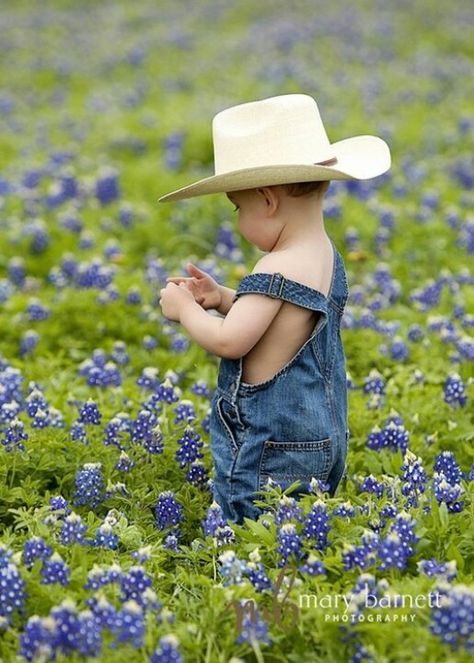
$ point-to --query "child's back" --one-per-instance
(310, 264)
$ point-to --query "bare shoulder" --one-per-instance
(275, 261)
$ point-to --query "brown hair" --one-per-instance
(305, 188)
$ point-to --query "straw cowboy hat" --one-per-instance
(282, 140)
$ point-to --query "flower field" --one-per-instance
(111, 548)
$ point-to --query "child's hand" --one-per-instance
(203, 287)
(173, 298)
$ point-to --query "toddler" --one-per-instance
(280, 408)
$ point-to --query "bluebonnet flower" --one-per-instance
(14, 434)
(454, 391)
(149, 378)
(257, 576)
(167, 650)
(189, 445)
(99, 577)
(313, 566)
(168, 511)
(124, 463)
(72, 530)
(55, 570)
(89, 485)
(37, 638)
(9, 412)
(142, 555)
(120, 423)
(171, 542)
(167, 392)
(374, 383)
(363, 555)
(185, 412)
(197, 474)
(317, 525)
(66, 637)
(119, 353)
(214, 519)
(33, 549)
(150, 342)
(371, 485)
(141, 427)
(16, 270)
(130, 625)
(105, 537)
(134, 583)
(253, 627)
(78, 432)
(206, 422)
(434, 569)
(35, 401)
(104, 612)
(344, 510)
(288, 509)
(447, 492)
(107, 188)
(393, 436)
(452, 616)
(28, 342)
(227, 243)
(200, 388)
(414, 477)
(89, 413)
(133, 296)
(59, 503)
(391, 552)
(290, 544)
(36, 311)
(12, 587)
(89, 636)
(232, 568)
(446, 463)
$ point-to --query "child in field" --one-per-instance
(280, 408)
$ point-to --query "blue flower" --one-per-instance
(452, 616)
(72, 530)
(317, 525)
(168, 511)
(12, 590)
(33, 549)
(167, 650)
(55, 570)
(89, 485)
(253, 628)
(189, 445)
(130, 625)
(232, 568)
(454, 391)
(288, 509)
(290, 544)
(89, 413)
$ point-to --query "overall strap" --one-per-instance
(279, 287)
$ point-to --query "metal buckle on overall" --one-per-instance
(276, 282)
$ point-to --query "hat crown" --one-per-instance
(276, 131)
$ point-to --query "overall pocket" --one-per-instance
(285, 462)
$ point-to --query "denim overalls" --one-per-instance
(294, 425)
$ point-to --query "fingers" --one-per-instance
(195, 271)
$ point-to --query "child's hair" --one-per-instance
(305, 188)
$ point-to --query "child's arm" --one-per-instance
(231, 337)
(206, 291)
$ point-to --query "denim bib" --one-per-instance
(293, 425)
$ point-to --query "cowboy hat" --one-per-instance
(282, 140)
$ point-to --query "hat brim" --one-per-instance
(358, 157)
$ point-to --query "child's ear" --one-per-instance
(271, 197)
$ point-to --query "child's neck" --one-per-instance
(302, 221)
